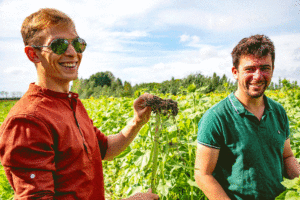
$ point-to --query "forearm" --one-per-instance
(211, 187)
(292, 167)
(119, 142)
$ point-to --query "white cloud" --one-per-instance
(227, 16)
(208, 59)
(192, 41)
(287, 62)
(184, 38)
(132, 34)
(16, 70)
(123, 37)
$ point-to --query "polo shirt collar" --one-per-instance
(38, 89)
(239, 108)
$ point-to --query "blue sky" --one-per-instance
(152, 41)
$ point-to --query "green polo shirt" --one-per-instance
(250, 163)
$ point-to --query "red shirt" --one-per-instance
(50, 149)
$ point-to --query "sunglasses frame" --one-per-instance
(78, 38)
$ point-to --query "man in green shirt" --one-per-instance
(243, 146)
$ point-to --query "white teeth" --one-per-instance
(68, 64)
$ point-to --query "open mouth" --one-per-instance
(72, 65)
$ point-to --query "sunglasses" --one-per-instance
(60, 46)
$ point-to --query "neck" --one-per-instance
(248, 102)
(57, 86)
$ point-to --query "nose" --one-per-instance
(257, 74)
(70, 50)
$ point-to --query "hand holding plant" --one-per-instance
(142, 112)
(160, 107)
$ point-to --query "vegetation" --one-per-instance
(105, 84)
(161, 108)
(131, 171)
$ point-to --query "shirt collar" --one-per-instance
(239, 108)
(38, 89)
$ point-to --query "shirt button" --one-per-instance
(32, 176)
(278, 131)
(70, 95)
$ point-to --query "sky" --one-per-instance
(155, 40)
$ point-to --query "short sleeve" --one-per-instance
(26, 142)
(102, 140)
(287, 126)
(210, 131)
(27, 155)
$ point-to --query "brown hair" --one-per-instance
(44, 18)
(257, 45)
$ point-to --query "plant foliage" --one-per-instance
(130, 172)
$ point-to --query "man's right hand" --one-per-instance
(144, 196)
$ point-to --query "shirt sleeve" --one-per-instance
(102, 140)
(209, 131)
(27, 154)
(287, 126)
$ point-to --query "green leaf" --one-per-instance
(124, 153)
(182, 166)
(164, 188)
(192, 183)
(292, 195)
(281, 196)
(289, 184)
(134, 189)
(172, 128)
(137, 189)
(138, 153)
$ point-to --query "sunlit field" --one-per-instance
(130, 172)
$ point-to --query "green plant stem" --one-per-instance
(155, 153)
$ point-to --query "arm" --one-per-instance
(291, 165)
(206, 160)
(28, 157)
(119, 142)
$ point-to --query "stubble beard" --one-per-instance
(258, 95)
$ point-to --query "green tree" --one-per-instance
(286, 83)
(100, 78)
(119, 82)
(215, 81)
(76, 85)
(127, 92)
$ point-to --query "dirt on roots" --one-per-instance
(162, 106)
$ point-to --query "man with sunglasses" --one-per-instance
(243, 141)
(49, 147)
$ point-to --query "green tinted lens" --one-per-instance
(79, 45)
(59, 46)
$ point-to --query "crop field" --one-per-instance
(130, 172)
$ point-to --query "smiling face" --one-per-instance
(58, 70)
(254, 75)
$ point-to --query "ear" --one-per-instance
(31, 54)
(234, 73)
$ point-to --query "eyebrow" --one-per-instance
(250, 66)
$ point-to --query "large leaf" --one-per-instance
(192, 183)
(124, 153)
(289, 184)
(292, 195)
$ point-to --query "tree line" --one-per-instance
(6, 95)
(106, 84)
